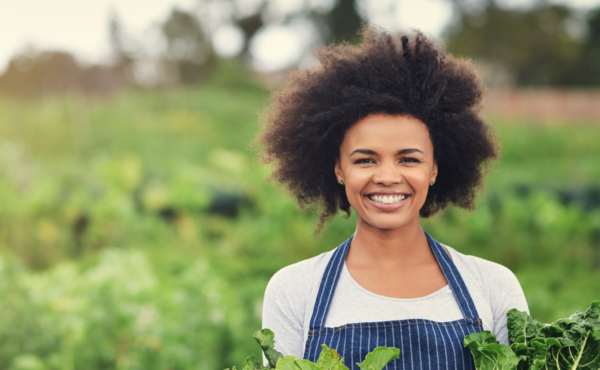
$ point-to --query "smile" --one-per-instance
(387, 199)
(387, 203)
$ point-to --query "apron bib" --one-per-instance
(424, 344)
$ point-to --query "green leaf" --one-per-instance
(252, 363)
(489, 354)
(520, 350)
(307, 365)
(578, 341)
(380, 357)
(287, 363)
(593, 312)
(568, 344)
(266, 341)
(540, 353)
(339, 367)
(521, 327)
(329, 358)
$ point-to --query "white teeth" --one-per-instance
(388, 200)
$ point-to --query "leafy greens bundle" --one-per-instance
(329, 359)
(567, 344)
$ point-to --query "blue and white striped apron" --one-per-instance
(424, 344)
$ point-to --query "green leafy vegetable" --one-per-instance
(252, 363)
(380, 357)
(489, 354)
(289, 363)
(522, 330)
(567, 344)
(266, 341)
(329, 359)
(578, 340)
(522, 327)
(539, 354)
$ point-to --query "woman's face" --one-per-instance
(387, 164)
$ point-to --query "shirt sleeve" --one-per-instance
(505, 293)
(284, 307)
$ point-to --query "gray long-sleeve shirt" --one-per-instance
(291, 293)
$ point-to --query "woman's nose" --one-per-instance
(388, 174)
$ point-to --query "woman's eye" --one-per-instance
(365, 160)
(410, 160)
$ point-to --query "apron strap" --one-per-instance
(454, 279)
(334, 267)
(328, 283)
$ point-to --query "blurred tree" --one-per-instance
(588, 71)
(343, 22)
(188, 47)
(249, 25)
(340, 21)
(534, 45)
(123, 58)
(33, 73)
(116, 37)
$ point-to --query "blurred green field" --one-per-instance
(137, 231)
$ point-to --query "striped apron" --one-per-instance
(424, 344)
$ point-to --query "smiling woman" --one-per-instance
(391, 129)
(387, 165)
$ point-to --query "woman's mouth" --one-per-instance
(387, 202)
(387, 199)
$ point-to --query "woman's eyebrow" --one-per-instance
(372, 152)
(363, 151)
(408, 151)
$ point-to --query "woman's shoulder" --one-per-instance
(488, 272)
(286, 303)
(497, 290)
(299, 278)
(497, 282)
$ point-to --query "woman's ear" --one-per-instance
(338, 171)
(434, 172)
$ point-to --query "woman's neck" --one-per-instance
(374, 246)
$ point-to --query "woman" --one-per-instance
(391, 129)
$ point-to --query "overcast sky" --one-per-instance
(80, 26)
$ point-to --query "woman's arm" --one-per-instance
(284, 307)
(505, 293)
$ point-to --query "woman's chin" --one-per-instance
(392, 222)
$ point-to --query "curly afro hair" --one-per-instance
(409, 74)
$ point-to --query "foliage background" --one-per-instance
(139, 231)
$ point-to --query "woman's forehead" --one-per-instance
(387, 133)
